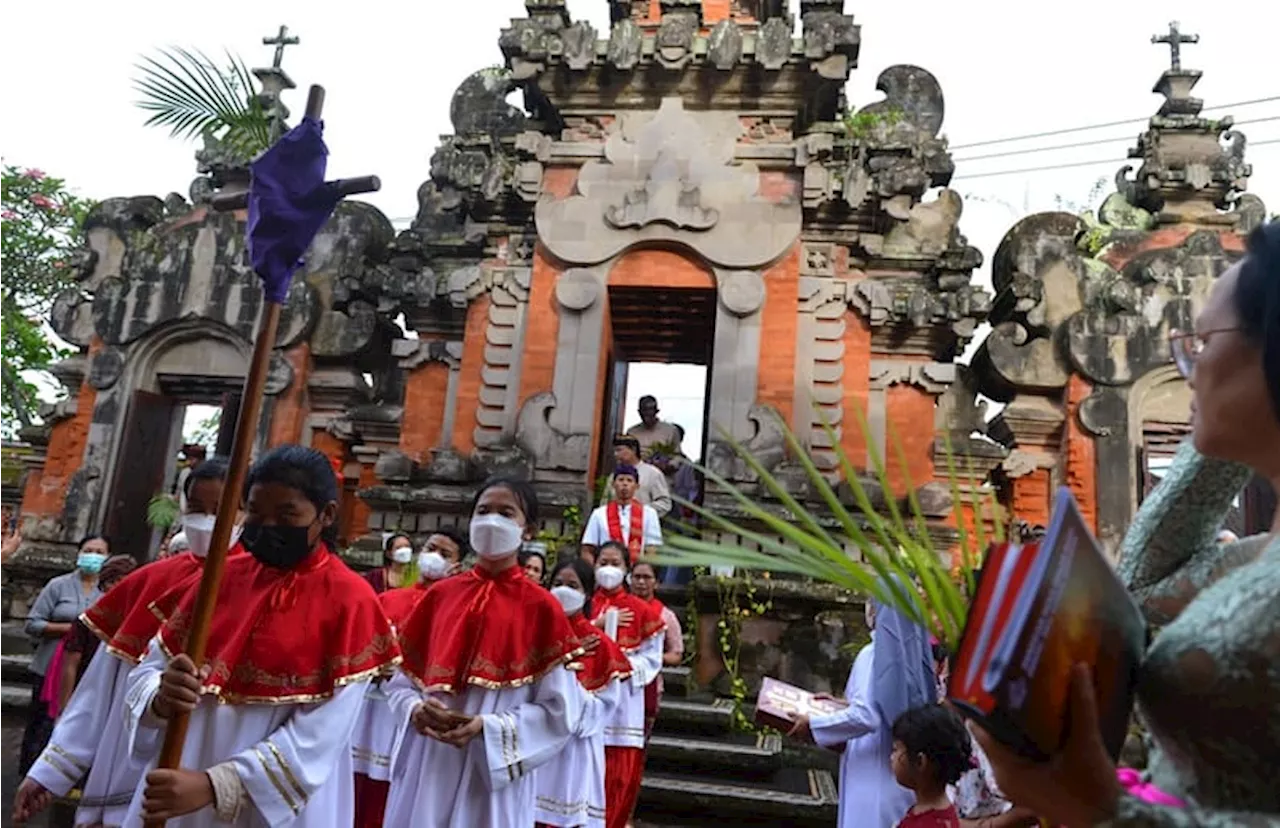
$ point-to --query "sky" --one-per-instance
(390, 69)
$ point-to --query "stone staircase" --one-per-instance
(699, 771)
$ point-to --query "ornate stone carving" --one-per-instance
(105, 369)
(819, 378)
(767, 444)
(741, 291)
(479, 105)
(551, 449)
(579, 45)
(673, 44)
(672, 172)
(504, 342)
(625, 42)
(831, 38)
(773, 43)
(724, 45)
(577, 289)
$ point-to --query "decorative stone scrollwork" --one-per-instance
(741, 291)
(578, 289)
(549, 448)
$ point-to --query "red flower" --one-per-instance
(34, 174)
(8, 215)
(43, 202)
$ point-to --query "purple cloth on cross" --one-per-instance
(288, 204)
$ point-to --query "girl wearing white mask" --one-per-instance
(396, 570)
(570, 791)
(375, 735)
(484, 688)
(91, 734)
(640, 635)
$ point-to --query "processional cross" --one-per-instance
(1175, 39)
(280, 41)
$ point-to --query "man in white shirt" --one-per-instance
(624, 519)
(652, 490)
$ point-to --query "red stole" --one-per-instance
(122, 618)
(398, 603)
(645, 623)
(597, 667)
(485, 629)
(634, 541)
(287, 636)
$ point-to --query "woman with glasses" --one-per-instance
(1209, 689)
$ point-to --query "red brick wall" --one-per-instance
(1081, 453)
(857, 387)
(46, 491)
(780, 320)
(289, 414)
(469, 380)
(426, 390)
(542, 328)
(909, 418)
(1031, 497)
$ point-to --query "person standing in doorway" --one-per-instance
(59, 603)
(651, 431)
(192, 456)
(652, 489)
(623, 520)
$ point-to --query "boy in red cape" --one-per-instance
(90, 735)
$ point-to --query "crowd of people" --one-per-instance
(517, 690)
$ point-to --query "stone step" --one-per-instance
(15, 698)
(677, 681)
(15, 669)
(695, 716)
(737, 755)
(796, 798)
(13, 638)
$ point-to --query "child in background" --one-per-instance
(931, 750)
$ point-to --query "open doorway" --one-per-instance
(662, 342)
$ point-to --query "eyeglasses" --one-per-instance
(1187, 346)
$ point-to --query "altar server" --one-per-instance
(484, 683)
(90, 736)
(570, 790)
(295, 639)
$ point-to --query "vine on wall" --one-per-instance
(739, 600)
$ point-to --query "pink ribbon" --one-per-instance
(1133, 785)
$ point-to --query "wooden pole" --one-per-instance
(175, 733)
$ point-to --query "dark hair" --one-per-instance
(525, 554)
(115, 568)
(628, 441)
(646, 398)
(940, 652)
(621, 547)
(521, 490)
(459, 539)
(585, 574)
(1257, 303)
(645, 562)
(390, 541)
(215, 469)
(305, 469)
(936, 732)
(94, 536)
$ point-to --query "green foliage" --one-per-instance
(863, 124)
(163, 512)
(900, 565)
(738, 602)
(567, 538)
(40, 223)
(194, 97)
(206, 431)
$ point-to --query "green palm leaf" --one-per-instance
(186, 92)
(899, 565)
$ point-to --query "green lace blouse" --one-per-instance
(1209, 691)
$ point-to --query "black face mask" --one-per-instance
(283, 547)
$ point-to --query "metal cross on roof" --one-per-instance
(280, 41)
(1175, 39)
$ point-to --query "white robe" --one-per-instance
(489, 782)
(294, 760)
(91, 736)
(375, 735)
(625, 727)
(869, 795)
(570, 790)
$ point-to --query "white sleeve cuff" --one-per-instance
(229, 795)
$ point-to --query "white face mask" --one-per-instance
(402, 555)
(198, 530)
(570, 599)
(495, 536)
(432, 565)
(610, 577)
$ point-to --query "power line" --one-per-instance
(1089, 143)
(1096, 163)
(1100, 126)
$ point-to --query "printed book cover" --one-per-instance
(1038, 610)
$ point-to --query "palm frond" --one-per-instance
(188, 93)
(900, 564)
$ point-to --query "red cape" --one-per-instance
(645, 624)
(492, 631)
(287, 636)
(122, 618)
(398, 603)
(597, 667)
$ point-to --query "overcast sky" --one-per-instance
(1006, 68)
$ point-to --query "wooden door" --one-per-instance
(140, 472)
(227, 424)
